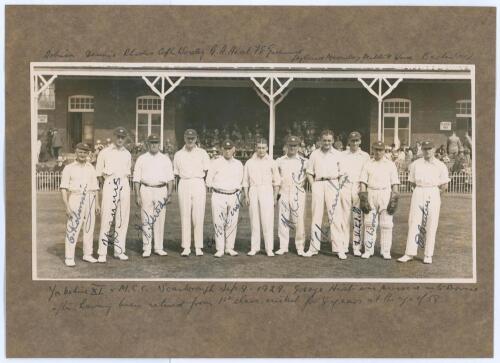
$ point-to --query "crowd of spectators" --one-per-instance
(456, 154)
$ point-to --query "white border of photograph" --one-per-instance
(256, 70)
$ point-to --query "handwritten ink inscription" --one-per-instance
(146, 228)
(371, 230)
(111, 236)
(422, 232)
(106, 300)
(260, 51)
(225, 223)
(319, 233)
(357, 224)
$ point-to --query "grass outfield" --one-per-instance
(452, 256)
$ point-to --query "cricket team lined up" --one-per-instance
(357, 193)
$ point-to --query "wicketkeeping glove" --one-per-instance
(363, 202)
(393, 203)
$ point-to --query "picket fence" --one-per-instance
(460, 183)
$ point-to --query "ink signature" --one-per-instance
(422, 232)
(370, 230)
(357, 224)
(291, 207)
(74, 219)
(88, 222)
(225, 226)
(323, 233)
(343, 181)
(111, 236)
(149, 220)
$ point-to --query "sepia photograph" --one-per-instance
(253, 172)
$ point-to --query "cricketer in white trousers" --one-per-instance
(225, 212)
(114, 164)
(292, 201)
(192, 198)
(291, 213)
(378, 199)
(352, 212)
(83, 207)
(152, 173)
(425, 204)
(262, 213)
(191, 166)
(80, 181)
(353, 162)
(379, 176)
(115, 211)
(153, 209)
(225, 177)
(261, 175)
(327, 192)
(325, 167)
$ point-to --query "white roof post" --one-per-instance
(162, 91)
(272, 91)
(379, 94)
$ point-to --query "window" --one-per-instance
(47, 99)
(463, 108)
(148, 118)
(464, 116)
(397, 122)
(81, 104)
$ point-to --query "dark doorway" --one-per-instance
(74, 129)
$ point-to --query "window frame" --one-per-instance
(464, 101)
(149, 112)
(51, 89)
(396, 116)
(70, 109)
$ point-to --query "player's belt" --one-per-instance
(154, 186)
(385, 188)
(427, 186)
(218, 191)
(325, 179)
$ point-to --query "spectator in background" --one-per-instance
(97, 149)
(302, 150)
(468, 140)
(60, 164)
(418, 150)
(460, 162)
(388, 153)
(38, 149)
(48, 145)
(467, 167)
(467, 159)
(338, 145)
(408, 156)
(400, 159)
(445, 158)
(57, 143)
(169, 149)
(453, 145)
(441, 151)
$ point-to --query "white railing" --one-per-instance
(460, 183)
(47, 181)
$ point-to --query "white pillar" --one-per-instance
(34, 118)
(379, 94)
(162, 121)
(272, 111)
(162, 92)
(272, 97)
(379, 130)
